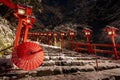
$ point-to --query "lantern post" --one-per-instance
(21, 12)
(29, 35)
(87, 34)
(28, 22)
(62, 34)
(71, 34)
(45, 37)
(33, 35)
(111, 32)
(55, 38)
(41, 37)
(36, 36)
(49, 37)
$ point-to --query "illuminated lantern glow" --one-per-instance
(87, 32)
(54, 34)
(21, 11)
(45, 34)
(72, 33)
(62, 34)
(110, 31)
(28, 21)
(41, 34)
(49, 34)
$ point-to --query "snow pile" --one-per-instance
(6, 36)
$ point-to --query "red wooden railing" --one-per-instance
(88, 47)
(94, 48)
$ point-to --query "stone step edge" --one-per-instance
(54, 70)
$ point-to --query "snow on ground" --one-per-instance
(50, 46)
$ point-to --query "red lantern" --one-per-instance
(62, 34)
(72, 35)
(87, 34)
(22, 11)
(55, 38)
(28, 22)
(111, 32)
(49, 37)
(54, 34)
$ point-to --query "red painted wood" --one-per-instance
(18, 31)
(8, 3)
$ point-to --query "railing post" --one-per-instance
(45, 37)
(72, 44)
(49, 38)
(114, 48)
(62, 34)
(55, 38)
(89, 45)
(41, 37)
(71, 34)
(77, 47)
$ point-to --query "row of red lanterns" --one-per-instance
(110, 31)
(48, 35)
(87, 33)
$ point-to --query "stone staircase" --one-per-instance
(58, 62)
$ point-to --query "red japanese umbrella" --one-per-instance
(27, 56)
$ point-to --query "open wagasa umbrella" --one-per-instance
(27, 56)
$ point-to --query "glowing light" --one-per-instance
(45, 34)
(49, 34)
(28, 21)
(55, 34)
(41, 34)
(71, 33)
(62, 34)
(110, 32)
(87, 33)
(21, 11)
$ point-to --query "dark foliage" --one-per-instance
(95, 13)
